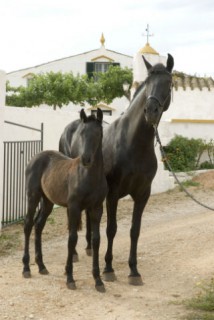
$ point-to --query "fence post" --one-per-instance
(2, 105)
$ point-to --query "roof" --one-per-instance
(184, 81)
(101, 105)
(148, 49)
(68, 57)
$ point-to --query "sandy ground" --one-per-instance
(175, 253)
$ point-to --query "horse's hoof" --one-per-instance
(71, 285)
(88, 252)
(101, 288)
(75, 258)
(44, 271)
(109, 276)
(135, 281)
(26, 274)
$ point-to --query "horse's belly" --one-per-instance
(55, 191)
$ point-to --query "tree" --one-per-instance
(58, 89)
(112, 82)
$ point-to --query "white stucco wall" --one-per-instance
(2, 103)
(191, 104)
(54, 124)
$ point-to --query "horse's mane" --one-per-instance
(157, 68)
(91, 118)
(139, 89)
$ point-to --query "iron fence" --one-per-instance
(17, 154)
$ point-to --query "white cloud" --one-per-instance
(38, 31)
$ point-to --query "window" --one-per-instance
(92, 67)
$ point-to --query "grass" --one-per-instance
(10, 240)
(202, 303)
(190, 183)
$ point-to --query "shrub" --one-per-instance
(184, 154)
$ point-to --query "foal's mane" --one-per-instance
(92, 118)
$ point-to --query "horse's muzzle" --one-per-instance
(86, 161)
(153, 112)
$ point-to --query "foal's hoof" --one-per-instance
(135, 281)
(109, 276)
(88, 252)
(101, 288)
(75, 258)
(26, 274)
(44, 271)
(71, 285)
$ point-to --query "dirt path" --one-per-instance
(175, 253)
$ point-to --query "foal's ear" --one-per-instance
(170, 63)
(148, 65)
(99, 115)
(83, 116)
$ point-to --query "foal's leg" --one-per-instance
(111, 206)
(139, 205)
(73, 220)
(95, 217)
(88, 234)
(32, 203)
(46, 209)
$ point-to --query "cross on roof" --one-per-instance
(147, 33)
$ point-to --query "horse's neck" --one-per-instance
(135, 125)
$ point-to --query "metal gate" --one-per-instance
(17, 154)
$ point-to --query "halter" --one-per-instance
(158, 101)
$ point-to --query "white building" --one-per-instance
(191, 113)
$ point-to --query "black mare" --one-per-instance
(130, 162)
(77, 184)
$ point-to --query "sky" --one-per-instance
(38, 31)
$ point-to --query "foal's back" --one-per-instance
(53, 173)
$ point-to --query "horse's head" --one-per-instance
(90, 134)
(158, 86)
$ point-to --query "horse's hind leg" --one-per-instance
(40, 221)
(32, 204)
(88, 234)
(74, 214)
(111, 205)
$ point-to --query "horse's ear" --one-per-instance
(148, 65)
(83, 116)
(170, 63)
(99, 115)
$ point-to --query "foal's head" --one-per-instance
(90, 134)
(158, 87)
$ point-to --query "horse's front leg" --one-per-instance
(73, 219)
(139, 205)
(95, 218)
(111, 206)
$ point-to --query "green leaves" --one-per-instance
(58, 89)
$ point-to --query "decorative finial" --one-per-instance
(148, 34)
(102, 40)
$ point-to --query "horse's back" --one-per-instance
(66, 138)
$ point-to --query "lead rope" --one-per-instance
(164, 157)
